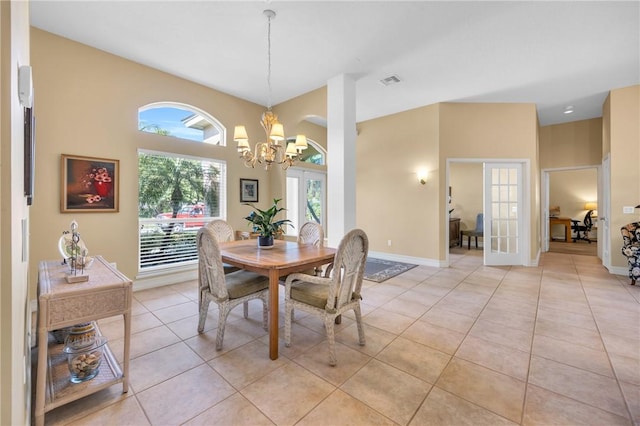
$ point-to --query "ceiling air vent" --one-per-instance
(393, 79)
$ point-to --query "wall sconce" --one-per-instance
(422, 176)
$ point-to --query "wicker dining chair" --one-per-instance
(226, 290)
(312, 233)
(223, 233)
(329, 297)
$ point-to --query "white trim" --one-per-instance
(619, 270)
(544, 200)
(526, 232)
(408, 259)
(178, 275)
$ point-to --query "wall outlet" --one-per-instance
(627, 209)
(389, 243)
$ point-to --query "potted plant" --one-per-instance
(263, 223)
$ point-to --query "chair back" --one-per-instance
(222, 230)
(311, 233)
(588, 220)
(348, 269)
(631, 234)
(480, 222)
(210, 269)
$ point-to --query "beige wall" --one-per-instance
(391, 149)
(15, 318)
(569, 146)
(391, 203)
(87, 104)
(578, 143)
(622, 112)
(492, 131)
(465, 180)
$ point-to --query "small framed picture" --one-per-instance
(89, 184)
(248, 190)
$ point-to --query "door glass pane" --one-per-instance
(504, 190)
(313, 210)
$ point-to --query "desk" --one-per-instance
(107, 293)
(284, 258)
(566, 221)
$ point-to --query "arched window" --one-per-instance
(181, 121)
(314, 153)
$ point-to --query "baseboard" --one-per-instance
(147, 281)
(619, 270)
(407, 259)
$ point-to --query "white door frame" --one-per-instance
(304, 175)
(544, 205)
(604, 212)
(525, 217)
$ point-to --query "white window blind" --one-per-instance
(177, 195)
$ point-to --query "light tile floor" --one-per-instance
(465, 345)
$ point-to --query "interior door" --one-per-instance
(503, 219)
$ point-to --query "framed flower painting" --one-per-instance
(89, 184)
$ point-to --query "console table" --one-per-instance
(107, 293)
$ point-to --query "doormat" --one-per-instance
(379, 270)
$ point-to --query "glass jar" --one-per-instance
(84, 363)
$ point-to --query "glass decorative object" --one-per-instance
(84, 360)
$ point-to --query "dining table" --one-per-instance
(281, 259)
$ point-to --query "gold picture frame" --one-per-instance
(89, 184)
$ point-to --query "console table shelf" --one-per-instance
(61, 304)
(61, 391)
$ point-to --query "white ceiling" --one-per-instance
(551, 53)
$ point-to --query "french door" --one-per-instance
(306, 198)
(503, 218)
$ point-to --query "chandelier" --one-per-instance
(271, 151)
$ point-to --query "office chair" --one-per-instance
(582, 231)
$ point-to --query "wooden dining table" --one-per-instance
(284, 258)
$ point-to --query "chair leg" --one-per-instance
(245, 307)
(288, 315)
(204, 308)
(468, 242)
(331, 340)
(476, 243)
(361, 339)
(223, 313)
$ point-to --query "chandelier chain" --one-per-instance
(269, 62)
